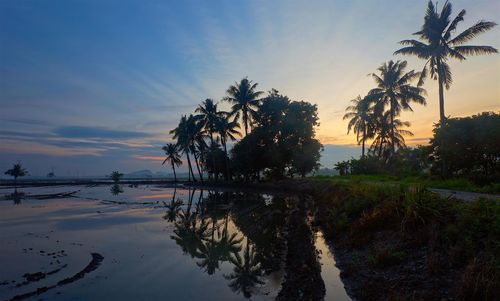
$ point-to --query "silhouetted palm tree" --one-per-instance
(17, 171)
(208, 115)
(173, 156)
(436, 45)
(360, 120)
(184, 133)
(244, 98)
(394, 89)
(227, 130)
(388, 133)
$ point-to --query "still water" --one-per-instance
(146, 242)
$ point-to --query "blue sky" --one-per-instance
(91, 86)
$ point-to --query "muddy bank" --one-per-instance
(93, 265)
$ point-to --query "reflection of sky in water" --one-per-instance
(131, 230)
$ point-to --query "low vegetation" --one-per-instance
(437, 247)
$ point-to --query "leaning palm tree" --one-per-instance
(227, 129)
(360, 120)
(184, 133)
(245, 99)
(388, 133)
(173, 156)
(394, 89)
(436, 45)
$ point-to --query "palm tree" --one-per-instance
(227, 129)
(360, 115)
(394, 89)
(17, 171)
(244, 98)
(388, 133)
(436, 45)
(173, 156)
(184, 133)
(208, 115)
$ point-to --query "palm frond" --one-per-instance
(472, 32)
(475, 50)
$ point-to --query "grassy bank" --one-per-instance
(398, 244)
(461, 184)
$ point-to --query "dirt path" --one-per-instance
(464, 195)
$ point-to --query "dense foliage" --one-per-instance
(470, 146)
(467, 147)
(279, 136)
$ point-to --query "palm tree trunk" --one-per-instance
(190, 168)
(363, 142)
(393, 149)
(225, 158)
(198, 166)
(175, 175)
(442, 117)
(245, 120)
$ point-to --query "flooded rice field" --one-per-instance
(121, 242)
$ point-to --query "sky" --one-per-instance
(88, 87)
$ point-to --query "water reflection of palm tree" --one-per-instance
(173, 208)
(188, 234)
(247, 272)
(16, 196)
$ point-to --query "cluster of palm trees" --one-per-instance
(210, 129)
(374, 117)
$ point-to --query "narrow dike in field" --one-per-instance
(303, 279)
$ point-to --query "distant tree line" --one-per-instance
(279, 137)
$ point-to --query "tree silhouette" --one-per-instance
(245, 99)
(185, 133)
(227, 130)
(436, 45)
(17, 171)
(360, 115)
(394, 90)
(173, 156)
(388, 133)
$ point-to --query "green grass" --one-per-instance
(460, 184)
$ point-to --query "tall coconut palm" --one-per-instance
(245, 99)
(360, 120)
(173, 156)
(185, 133)
(394, 89)
(227, 129)
(436, 45)
(388, 133)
